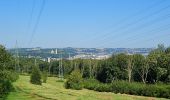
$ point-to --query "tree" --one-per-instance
(163, 63)
(121, 61)
(167, 51)
(105, 72)
(5, 57)
(54, 67)
(161, 47)
(144, 71)
(36, 76)
(86, 72)
(141, 68)
(7, 73)
(74, 81)
(44, 76)
(130, 67)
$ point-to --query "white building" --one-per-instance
(48, 59)
(56, 51)
(52, 51)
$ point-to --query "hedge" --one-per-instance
(134, 88)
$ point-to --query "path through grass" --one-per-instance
(54, 90)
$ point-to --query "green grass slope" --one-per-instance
(54, 90)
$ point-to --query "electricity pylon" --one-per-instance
(60, 74)
(17, 67)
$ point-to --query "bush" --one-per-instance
(74, 81)
(93, 84)
(103, 87)
(141, 89)
(5, 88)
(36, 76)
(6, 79)
(13, 76)
(44, 76)
(90, 84)
(133, 88)
(9, 75)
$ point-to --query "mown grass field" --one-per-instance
(54, 90)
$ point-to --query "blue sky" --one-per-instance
(85, 23)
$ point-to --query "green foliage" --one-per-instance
(74, 81)
(5, 88)
(54, 68)
(44, 76)
(6, 79)
(105, 72)
(103, 87)
(90, 84)
(133, 88)
(86, 72)
(121, 61)
(4, 55)
(5, 84)
(36, 76)
(7, 74)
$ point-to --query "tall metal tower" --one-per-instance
(60, 68)
(49, 68)
(17, 67)
(69, 57)
(35, 62)
(91, 65)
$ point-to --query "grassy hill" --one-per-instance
(54, 90)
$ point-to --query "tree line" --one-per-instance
(153, 68)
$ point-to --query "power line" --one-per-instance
(131, 16)
(37, 21)
(152, 38)
(144, 26)
(155, 30)
(133, 23)
(17, 67)
(160, 29)
(31, 15)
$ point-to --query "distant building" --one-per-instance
(29, 56)
(48, 59)
(56, 51)
(33, 49)
(100, 57)
(43, 59)
(52, 51)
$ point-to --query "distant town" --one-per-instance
(69, 53)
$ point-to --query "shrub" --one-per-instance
(6, 79)
(74, 81)
(134, 88)
(44, 76)
(36, 76)
(5, 88)
(9, 75)
(93, 84)
(103, 87)
(90, 84)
